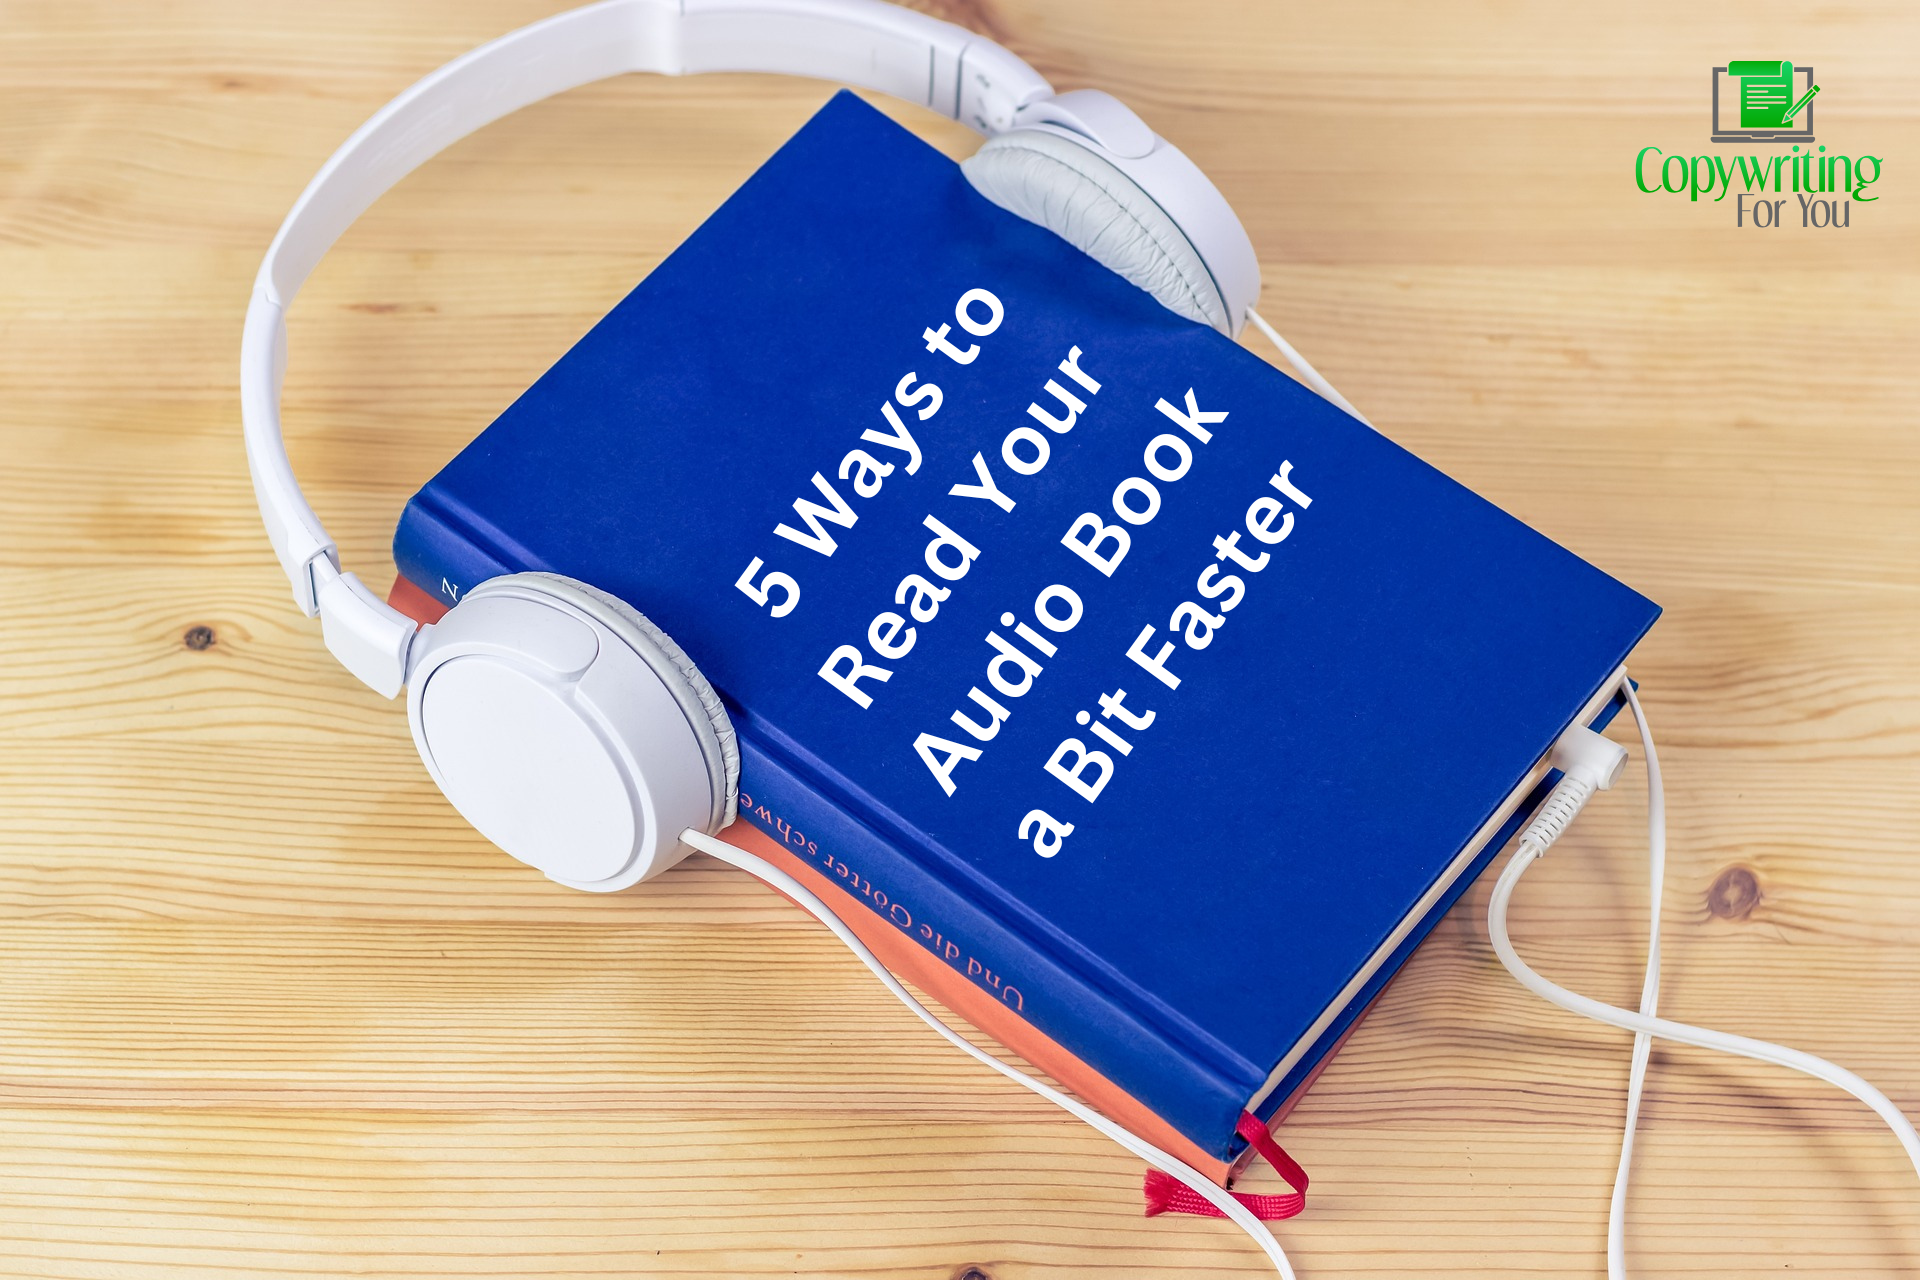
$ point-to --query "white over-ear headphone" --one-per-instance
(559, 721)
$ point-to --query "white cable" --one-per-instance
(1140, 1147)
(1649, 986)
(1308, 374)
(1645, 1024)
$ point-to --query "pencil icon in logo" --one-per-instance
(1805, 98)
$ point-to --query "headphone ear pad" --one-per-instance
(1058, 184)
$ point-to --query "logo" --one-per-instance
(1771, 99)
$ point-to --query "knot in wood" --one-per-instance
(1734, 894)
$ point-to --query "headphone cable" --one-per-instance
(1645, 1024)
(1196, 1181)
(1308, 374)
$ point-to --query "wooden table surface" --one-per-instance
(268, 1007)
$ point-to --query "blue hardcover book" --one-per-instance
(1163, 700)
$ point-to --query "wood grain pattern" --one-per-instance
(268, 1007)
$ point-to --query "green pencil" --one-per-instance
(1794, 110)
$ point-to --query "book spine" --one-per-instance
(433, 550)
(1196, 1101)
(912, 963)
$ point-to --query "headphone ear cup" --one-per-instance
(571, 731)
(1058, 184)
(696, 696)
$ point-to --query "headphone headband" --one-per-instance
(866, 43)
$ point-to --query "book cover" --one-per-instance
(1164, 702)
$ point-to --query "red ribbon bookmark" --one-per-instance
(1167, 1194)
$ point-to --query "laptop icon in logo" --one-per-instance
(1772, 100)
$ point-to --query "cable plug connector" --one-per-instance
(1588, 763)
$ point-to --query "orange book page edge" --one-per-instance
(415, 602)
